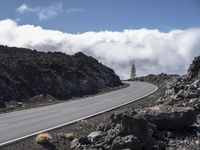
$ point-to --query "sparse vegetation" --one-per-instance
(20, 104)
(44, 139)
(70, 136)
(133, 72)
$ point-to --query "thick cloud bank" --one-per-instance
(152, 51)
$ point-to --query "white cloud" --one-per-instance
(152, 51)
(23, 8)
(74, 10)
(43, 13)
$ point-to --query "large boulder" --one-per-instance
(169, 117)
(128, 123)
(25, 73)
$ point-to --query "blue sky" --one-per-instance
(78, 16)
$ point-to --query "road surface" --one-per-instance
(18, 125)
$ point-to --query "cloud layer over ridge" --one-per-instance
(152, 51)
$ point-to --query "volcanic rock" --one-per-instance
(25, 73)
(128, 141)
(169, 117)
(194, 69)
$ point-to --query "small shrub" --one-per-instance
(70, 136)
(44, 139)
(20, 104)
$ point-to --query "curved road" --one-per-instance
(18, 125)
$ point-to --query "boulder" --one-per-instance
(169, 117)
(104, 127)
(195, 103)
(125, 130)
(132, 124)
(113, 133)
(128, 141)
(95, 136)
(75, 144)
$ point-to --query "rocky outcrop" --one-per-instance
(140, 129)
(25, 73)
(125, 131)
(169, 117)
(183, 93)
(154, 127)
(194, 69)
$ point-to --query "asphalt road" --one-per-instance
(22, 124)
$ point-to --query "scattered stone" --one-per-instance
(95, 136)
(75, 144)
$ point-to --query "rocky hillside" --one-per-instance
(173, 122)
(25, 73)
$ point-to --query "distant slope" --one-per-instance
(25, 73)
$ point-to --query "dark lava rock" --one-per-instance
(128, 141)
(25, 73)
(169, 117)
(84, 140)
(125, 132)
(194, 69)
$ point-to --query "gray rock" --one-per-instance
(161, 100)
(95, 136)
(75, 144)
(113, 133)
(196, 84)
(169, 92)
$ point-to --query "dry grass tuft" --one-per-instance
(44, 139)
(20, 104)
(70, 136)
(155, 108)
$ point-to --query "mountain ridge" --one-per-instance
(25, 73)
